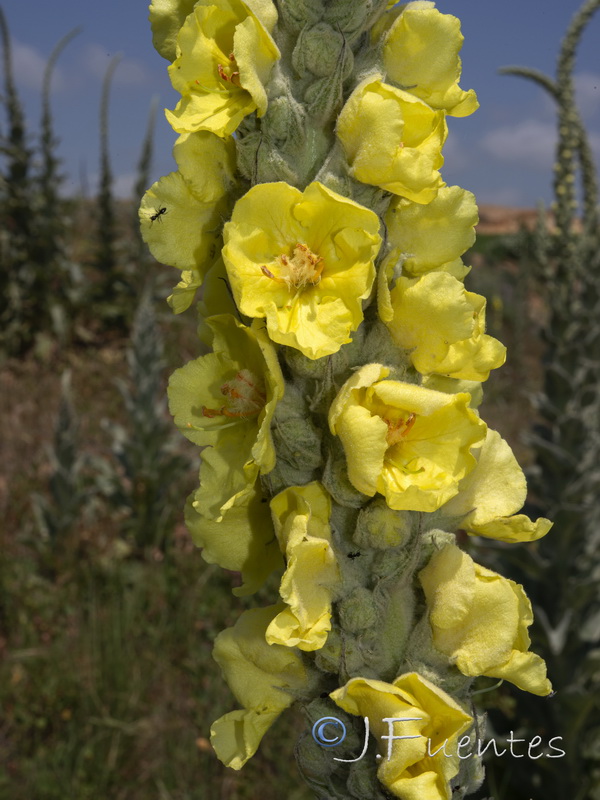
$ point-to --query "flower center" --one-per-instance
(302, 268)
(245, 397)
(398, 429)
(227, 72)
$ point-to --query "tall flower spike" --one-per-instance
(337, 407)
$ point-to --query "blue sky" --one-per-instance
(503, 152)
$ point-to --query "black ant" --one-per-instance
(158, 215)
(353, 555)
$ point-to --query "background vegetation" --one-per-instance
(107, 612)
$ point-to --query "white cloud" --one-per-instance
(29, 66)
(454, 152)
(530, 142)
(127, 73)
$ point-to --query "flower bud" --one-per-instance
(327, 659)
(336, 481)
(324, 97)
(304, 367)
(350, 18)
(296, 438)
(260, 162)
(284, 121)
(363, 781)
(322, 51)
(357, 611)
(472, 771)
(380, 527)
(295, 14)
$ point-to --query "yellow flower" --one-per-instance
(167, 17)
(421, 54)
(224, 58)
(433, 236)
(227, 399)
(180, 215)
(265, 679)
(479, 620)
(393, 140)
(442, 325)
(304, 261)
(409, 443)
(411, 773)
(243, 541)
(492, 493)
(301, 518)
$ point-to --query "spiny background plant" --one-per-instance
(18, 270)
(342, 448)
(148, 469)
(563, 572)
(49, 282)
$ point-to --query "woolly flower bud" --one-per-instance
(357, 611)
(295, 14)
(322, 51)
(380, 527)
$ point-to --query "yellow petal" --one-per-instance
(227, 399)
(166, 19)
(185, 235)
(436, 717)
(301, 519)
(421, 52)
(409, 443)
(442, 325)
(242, 542)
(224, 57)
(433, 235)
(479, 620)
(518, 528)
(264, 678)
(261, 676)
(440, 383)
(491, 494)
(182, 296)
(216, 299)
(302, 260)
(207, 164)
(236, 736)
(393, 140)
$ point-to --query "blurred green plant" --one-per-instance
(38, 282)
(57, 512)
(149, 470)
(18, 275)
(112, 292)
(562, 572)
(52, 291)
